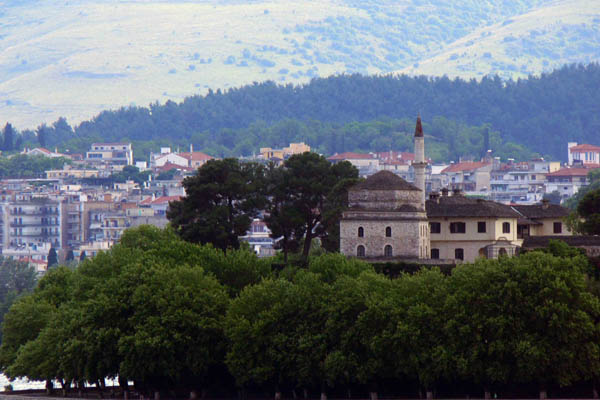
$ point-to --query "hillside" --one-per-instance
(362, 113)
(75, 59)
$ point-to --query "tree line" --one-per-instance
(359, 113)
(178, 318)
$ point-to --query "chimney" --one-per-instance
(191, 148)
(434, 196)
(445, 192)
(456, 192)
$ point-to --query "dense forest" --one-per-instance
(537, 115)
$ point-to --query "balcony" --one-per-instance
(33, 212)
(28, 224)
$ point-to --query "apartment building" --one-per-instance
(112, 156)
(31, 218)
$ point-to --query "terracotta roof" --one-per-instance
(536, 211)
(584, 147)
(159, 200)
(169, 166)
(465, 166)
(196, 156)
(419, 128)
(351, 156)
(166, 199)
(570, 172)
(464, 207)
(395, 155)
(395, 162)
(384, 180)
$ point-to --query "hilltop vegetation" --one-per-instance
(363, 113)
(75, 59)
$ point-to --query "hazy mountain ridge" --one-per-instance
(77, 59)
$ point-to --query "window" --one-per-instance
(558, 227)
(459, 254)
(387, 251)
(506, 227)
(361, 231)
(435, 227)
(481, 227)
(360, 251)
(458, 227)
(388, 231)
(435, 254)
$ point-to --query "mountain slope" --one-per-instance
(76, 59)
(566, 31)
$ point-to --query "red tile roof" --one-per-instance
(351, 156)
(159, 200)
(464, 166)
(584, 147)
(570, 172)
(169, 166)
(196, 156)
(395, 155)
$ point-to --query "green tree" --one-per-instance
(177, 328)
(27, 318)
(52, 257)
(283, 219)
(259, 327)
(589, 210)
(8, 137)
(316, 191)
(222, 198)
(351, 359)
(16, 279)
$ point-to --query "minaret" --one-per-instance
(419, 165)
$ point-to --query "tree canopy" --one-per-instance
(178, 317)
(222, 198)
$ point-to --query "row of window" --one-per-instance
(461, 227)
(388, 231)
(387, 251)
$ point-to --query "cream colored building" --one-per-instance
(464, 229)
(542, 219)
(294, 148)
(69, 172)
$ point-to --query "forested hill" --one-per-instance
(539, 113)
(77, 58)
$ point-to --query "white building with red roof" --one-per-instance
(367, 163)
(583, 154)
(159, 204)
(471, 176)
(568, 181)
(196, 159)
(41, 151)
